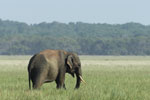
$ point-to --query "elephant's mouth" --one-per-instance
(72, 74)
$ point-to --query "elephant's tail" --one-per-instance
(30, 66)
(29, 73)
(29, 80)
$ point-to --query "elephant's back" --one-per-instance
(49, 53)
(48, 68)
(49, 60)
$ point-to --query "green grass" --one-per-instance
(107, 77)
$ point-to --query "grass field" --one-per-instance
(107, 77)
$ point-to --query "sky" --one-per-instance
(65, 11)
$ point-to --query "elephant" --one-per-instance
(51, 65)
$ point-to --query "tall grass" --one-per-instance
(107, 77)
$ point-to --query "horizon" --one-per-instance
(95, 11)
(71, 22)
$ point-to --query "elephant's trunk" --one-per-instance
(79, 78)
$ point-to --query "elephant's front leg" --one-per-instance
(60, 81)
(64, 86)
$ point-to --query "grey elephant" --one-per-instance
(51, 65)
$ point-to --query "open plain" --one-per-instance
(107, 78)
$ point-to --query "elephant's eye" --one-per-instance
(72, 59)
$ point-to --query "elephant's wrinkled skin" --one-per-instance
(51, 65)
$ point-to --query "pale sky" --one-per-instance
(88, 11)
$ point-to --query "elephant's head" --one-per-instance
(74, 67)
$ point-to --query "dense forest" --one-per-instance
(18, 38)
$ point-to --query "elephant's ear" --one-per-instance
(70, 61)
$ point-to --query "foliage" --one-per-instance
(93, 39)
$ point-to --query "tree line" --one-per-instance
(18, 38)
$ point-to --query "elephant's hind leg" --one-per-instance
(39, 78)
(38, 83)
